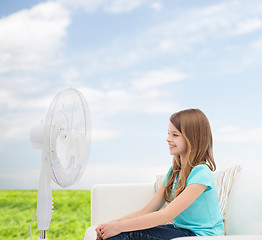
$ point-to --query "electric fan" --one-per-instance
(64, 139)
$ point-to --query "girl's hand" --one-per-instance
(108, 230)
(99, 233)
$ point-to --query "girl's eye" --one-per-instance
(175, 135)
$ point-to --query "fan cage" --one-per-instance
(68, 136)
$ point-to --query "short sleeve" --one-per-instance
(167, 175)
(201, 174)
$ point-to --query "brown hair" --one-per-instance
(195, 128)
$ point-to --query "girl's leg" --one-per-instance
(162, 232)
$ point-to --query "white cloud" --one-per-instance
(256, 45)
(154, 79)
(253, 53)
(21, 108)
(203, 24)
(118, 6)
(157, 6)
(149, 98)
(234, 134)
(111, 6)
(87, 5)
(247, 26)
(163, 107)
(187, 35)
(166, 44)
(30, 38)
(16, 125)
(104, 134)
(14, 101)
(71, 76)
(228, 129)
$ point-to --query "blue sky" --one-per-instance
(136, 62)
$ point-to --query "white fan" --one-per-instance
(65, 141)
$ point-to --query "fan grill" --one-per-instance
(68, 136)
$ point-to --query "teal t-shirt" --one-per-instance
(203, 216)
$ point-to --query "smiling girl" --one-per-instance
(188, 187)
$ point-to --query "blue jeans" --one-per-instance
(162, 232)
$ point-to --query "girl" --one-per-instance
(188, 187)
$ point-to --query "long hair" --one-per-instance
(195, 128)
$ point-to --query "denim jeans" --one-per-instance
(162, 232)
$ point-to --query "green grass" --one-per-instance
(70, 218)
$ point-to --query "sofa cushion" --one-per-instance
(244, 206)
(225, 179)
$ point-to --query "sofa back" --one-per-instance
(112, 201)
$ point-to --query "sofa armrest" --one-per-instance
(111, 201)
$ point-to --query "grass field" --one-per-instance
(70, 218)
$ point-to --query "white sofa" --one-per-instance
(243, 212)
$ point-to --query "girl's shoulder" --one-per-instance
(201, 167)
(200, 174)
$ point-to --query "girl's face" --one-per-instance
(176, 141)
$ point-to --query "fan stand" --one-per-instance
(44, 199)
(42, 234)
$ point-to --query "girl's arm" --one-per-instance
(155, 218)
